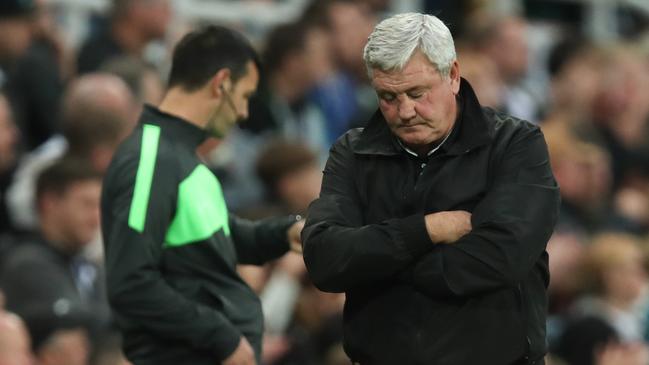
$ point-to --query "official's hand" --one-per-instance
(448, 226)
(243, 355)
(294, 239)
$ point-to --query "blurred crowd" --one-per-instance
(64, 110)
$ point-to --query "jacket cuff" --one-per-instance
(415, 240)
(226, 345)
(282, 226)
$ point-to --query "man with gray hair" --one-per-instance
(434, 219)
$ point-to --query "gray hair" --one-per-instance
(395, 40)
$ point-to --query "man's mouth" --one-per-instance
(410, 125)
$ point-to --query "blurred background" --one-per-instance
(74, 75)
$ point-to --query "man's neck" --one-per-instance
(426, 150)
(184, 105)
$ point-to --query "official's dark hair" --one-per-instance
(202, 53)
(59, 176)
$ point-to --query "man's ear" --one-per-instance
(454, 76)
(221, 79)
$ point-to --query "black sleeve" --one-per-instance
(340, 251)
(511, 227)
(137, 291)
(260, 241)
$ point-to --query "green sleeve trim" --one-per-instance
(144, 177)
(200, 211)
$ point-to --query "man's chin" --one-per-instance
(213, 133)
(414, 139)
(219, 133)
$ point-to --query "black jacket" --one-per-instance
(172, 250)
(481, 300)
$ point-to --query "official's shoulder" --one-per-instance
(132, 152)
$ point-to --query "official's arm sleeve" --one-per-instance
(259, 241)
(511, 227)
(134, 232)
(340, 251)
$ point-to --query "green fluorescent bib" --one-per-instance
(201, 209)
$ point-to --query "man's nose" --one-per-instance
(406, 108)
(243, 115)
(243, 112)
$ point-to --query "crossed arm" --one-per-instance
(491, 248)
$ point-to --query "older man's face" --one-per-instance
(417, 102)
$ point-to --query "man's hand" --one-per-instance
(294, 239)
(448, 227)
(243, 355)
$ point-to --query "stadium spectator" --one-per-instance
(16, 26)
(142, 79)
(505, 41)
(36, 84)
(132, 25)
(98, 112)
(49, 270)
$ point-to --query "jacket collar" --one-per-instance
(470, 130)
(177, 128)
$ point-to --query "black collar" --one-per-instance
(470, 130)
(177, 128)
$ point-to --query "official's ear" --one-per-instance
(221, 79)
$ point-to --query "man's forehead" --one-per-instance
(418, 60)
(414, 71)
(401, 80)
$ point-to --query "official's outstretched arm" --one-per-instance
(259, 241)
